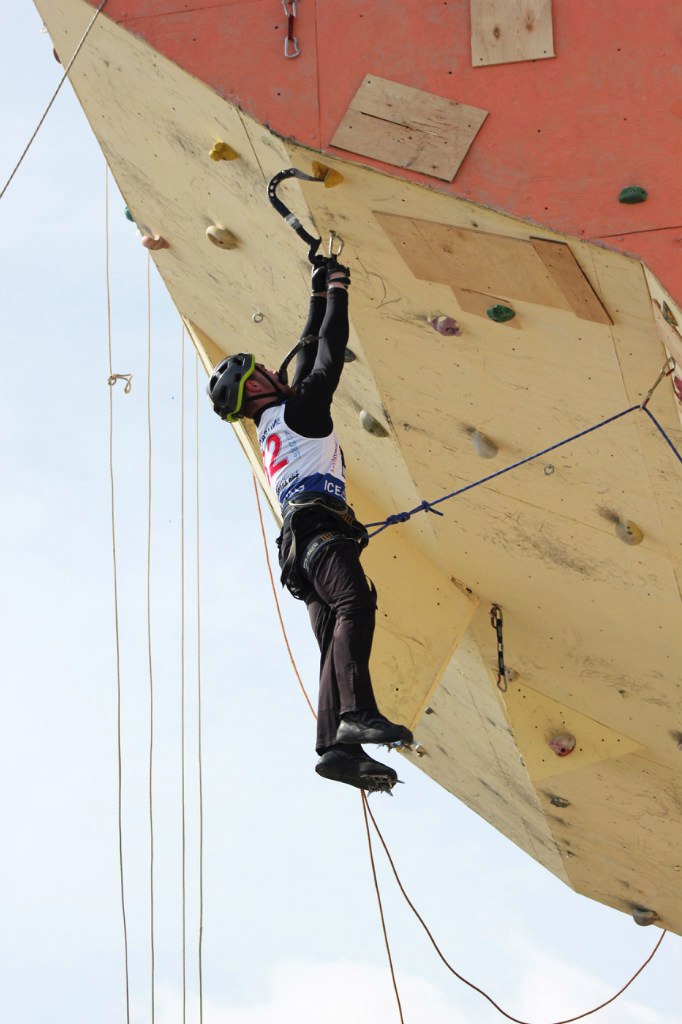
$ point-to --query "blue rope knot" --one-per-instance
(427, 507)
(399, 517)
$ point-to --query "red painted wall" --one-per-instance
(563, 135)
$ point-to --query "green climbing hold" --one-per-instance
(129, 215)
(633, 194)
(501, 314)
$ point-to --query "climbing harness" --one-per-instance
(496, 623)
(291, 48)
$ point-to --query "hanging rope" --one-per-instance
(367, 811)
(312, 711)
(568, 1020)
(182, 673)
(199, 752)
(277, 605)
(149, 640)
(54, 97)
(112, 491)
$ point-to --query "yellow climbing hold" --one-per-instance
(221, 151)
(326, 175)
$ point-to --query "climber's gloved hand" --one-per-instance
(338, 276)
(318, 275)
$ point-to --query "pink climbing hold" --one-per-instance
(154, 242)
(563, 745)
(445, 325)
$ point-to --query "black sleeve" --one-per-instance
(308, 412)
(305, 359)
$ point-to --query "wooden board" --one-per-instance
(474, 260)
(505, 31)
(408, 128)
(569, 276)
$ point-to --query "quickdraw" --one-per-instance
(496, 623)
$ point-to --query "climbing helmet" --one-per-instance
(226, 386)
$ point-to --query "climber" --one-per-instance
(320, 542)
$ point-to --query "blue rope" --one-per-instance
(427, 506)
(662, 431)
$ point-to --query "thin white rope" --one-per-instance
(54, 97)
(182, 673)
(149, 640)
(201, 783)
(116, 616)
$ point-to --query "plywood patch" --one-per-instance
(478, 304)
(536, 719)
(569, 276)
(408, 128)
(505, 31)
(484, 264)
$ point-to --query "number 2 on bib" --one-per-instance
(272, 449)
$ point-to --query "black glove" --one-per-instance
(338, 270)
(318, 275)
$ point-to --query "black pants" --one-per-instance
(342, 609)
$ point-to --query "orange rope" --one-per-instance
(485, 995)
(366, 811)
(274, 594)
(307, 698)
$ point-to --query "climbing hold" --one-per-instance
(633, 194)
(221, 237)
(349, 355)
(483, 446)
(563, 745)
(325, 174)
(129, 215)
(372, 425)
(643, 916)
(56, 55)
(258, 317)
(428, 710)
(629, 532)
(221, 151)
(418, 749)
(154, 242)
(559, 801)
(445, 325)
(500, 314)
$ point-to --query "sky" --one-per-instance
(291, 927)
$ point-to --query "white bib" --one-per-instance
(294, 463)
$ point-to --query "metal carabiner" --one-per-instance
(291, 48)
(292, 51)
(335, 239)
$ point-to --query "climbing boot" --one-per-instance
(356, 768)
(371, 727)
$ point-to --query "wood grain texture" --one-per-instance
(507, 31)
(408, 128)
